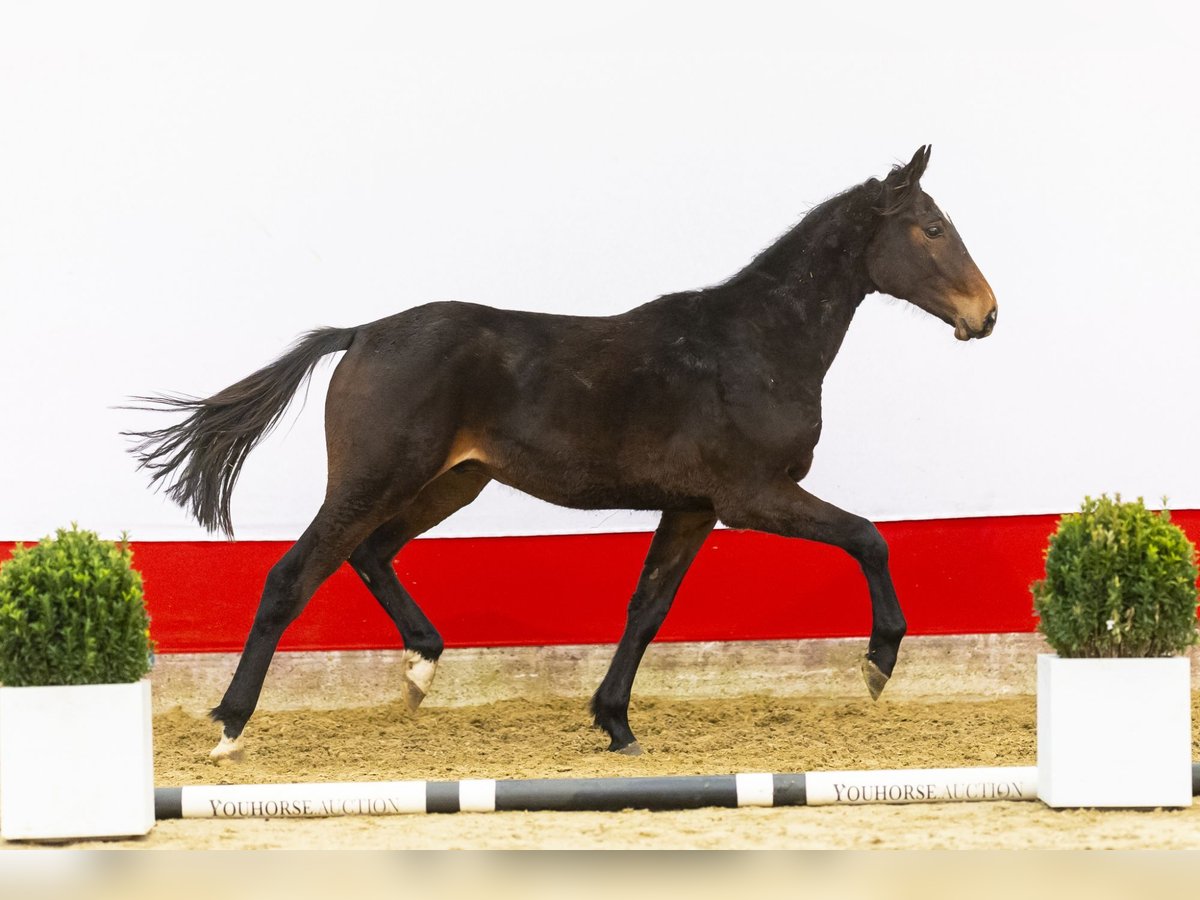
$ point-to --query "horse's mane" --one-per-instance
(845, 221)
(895, 191)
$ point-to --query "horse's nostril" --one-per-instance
(991, 319)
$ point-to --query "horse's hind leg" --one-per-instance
(343, 521)
(372, 560)
(676, 543)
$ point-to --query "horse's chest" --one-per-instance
(778, 415)
(795, 439)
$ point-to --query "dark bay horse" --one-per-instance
(705, 405)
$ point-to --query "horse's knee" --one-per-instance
(867, 545)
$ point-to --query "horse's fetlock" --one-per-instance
(432, 647)
(606, 710)
(613, 720)
(888, 633)
(883, 650)
(232, 720)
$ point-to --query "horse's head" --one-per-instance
(918, 256)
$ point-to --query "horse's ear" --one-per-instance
(916, 166)
(901, 183)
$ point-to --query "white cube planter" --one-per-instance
(1114, 732)
(76, 761)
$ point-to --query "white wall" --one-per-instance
(185, 189)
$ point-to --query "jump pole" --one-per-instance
(315, 800)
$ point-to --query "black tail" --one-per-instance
(200, 457)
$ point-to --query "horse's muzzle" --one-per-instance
(964, 331)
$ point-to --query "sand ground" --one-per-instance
(552, 738)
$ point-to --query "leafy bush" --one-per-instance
(1120, 581)
(72, 612)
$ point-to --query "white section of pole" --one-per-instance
(477, 795)
(755, 789)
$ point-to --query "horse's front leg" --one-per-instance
(676, 542)
(786, 509)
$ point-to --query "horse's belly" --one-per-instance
(583, 493)
(585, 482)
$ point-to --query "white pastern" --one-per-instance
(227, 751)
(419, 670)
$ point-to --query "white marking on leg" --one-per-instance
(419, 670)
(228, 750)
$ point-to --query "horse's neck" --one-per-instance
(822, 315)
(802, 304)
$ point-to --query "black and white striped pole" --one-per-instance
(477, 795)
(601, 794)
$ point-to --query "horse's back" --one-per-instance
(580, 411)
(485, 350)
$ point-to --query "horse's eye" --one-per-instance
(934, 231)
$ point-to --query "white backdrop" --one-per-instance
(184, 189)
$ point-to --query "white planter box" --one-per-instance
(76, 761)
(1114, 732)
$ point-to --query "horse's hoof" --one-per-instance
(875, 679)
(413, 695)
(418, 678)
(631, 749)
(226, 752)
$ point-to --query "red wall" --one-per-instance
(956, 576)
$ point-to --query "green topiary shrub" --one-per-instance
(1120, 581)
(72, 612)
